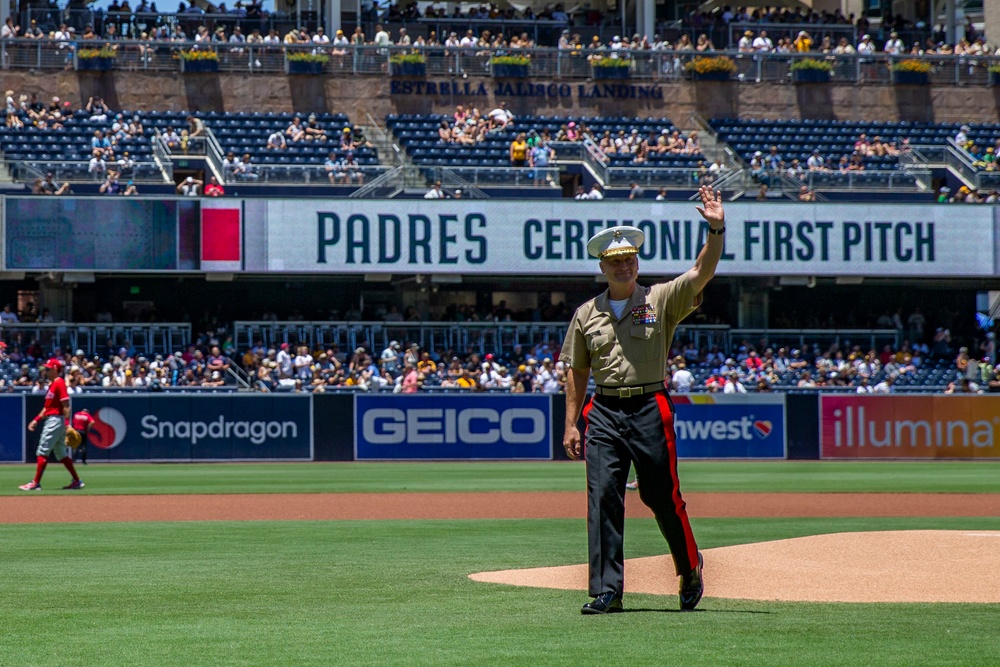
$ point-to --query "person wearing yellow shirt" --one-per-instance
(466, 381)
(519, 151)
(426, 364)
(803, 43)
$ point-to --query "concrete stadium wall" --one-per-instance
(355, 96)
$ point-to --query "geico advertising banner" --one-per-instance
(452, 426)
(190, 427)
(550, 237)
(909, 427)
(729, 426)
(12, 425)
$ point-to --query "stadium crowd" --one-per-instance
(247, 23)
(213, 361)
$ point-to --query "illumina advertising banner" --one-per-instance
(909, 427)
(549, 237)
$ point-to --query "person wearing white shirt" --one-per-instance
(595, 192)
(962, 137)
(303, 363)
(284, 362)
(682, 379)
(9, 30)
(381, 37)
(885, 386)
(763, 43)
(320, 37)
(501, 115)
(894, 46)
(815, 161)
(733, 385)
(435, 192)
(468, 41)
(866, 47)
(745, 45)
(864, 387)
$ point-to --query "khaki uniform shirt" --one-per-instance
(630, 350)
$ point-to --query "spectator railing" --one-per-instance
(134, 24)
(546, 63)
(501, 337)
(289, 173)
(868, 339)
(376, 336)
(98, 338)
(484, 177)
(77, 172)
(958, 160)
(817, 31)
(649, 175)
(961, 162)
(918, 180)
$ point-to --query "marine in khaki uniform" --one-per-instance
(623, 337)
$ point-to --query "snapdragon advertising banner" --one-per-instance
(543, 237)
(198, 427)
(730, 426)
(909, 427)
(452, 426)
(12, 429)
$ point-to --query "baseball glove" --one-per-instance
(73, 437)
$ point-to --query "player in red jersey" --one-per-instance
(82, 421)
(53, 418)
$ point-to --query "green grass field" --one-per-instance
(777, 476)
(397, 592)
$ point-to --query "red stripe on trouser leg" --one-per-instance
(680, 508)
(586, 425)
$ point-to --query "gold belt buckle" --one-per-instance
(626, 392)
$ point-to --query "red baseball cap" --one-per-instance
(57, 364)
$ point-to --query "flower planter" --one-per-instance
(195, 66)
(710, 76)
(305, 67)
(910, 78)
(611, 72)
(510, 71)
(95, 64)
(810, 76)
(408, 69)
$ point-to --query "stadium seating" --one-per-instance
(796, 139)
(244, 132)
(418, 134)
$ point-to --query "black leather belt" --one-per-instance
(629, 392)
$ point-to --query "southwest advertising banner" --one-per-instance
(452, 426)
(198, 428)
(717, 426)
(12, 429)
(549, 237)
(909, 427)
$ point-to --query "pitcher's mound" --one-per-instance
(891, 566)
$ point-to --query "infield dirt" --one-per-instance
(45, 507)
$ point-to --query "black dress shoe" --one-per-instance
(692, 586)
(605, 603)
